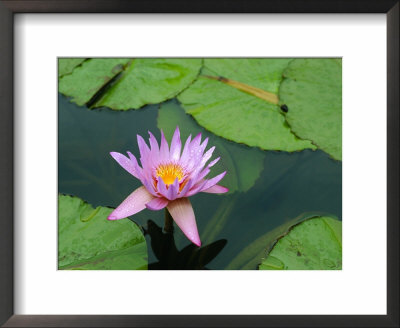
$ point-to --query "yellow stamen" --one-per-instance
(169, 172)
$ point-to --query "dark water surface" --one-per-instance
(289, 185)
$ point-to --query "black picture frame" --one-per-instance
(10, 7)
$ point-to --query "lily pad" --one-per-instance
(263, 73)
(238, 115)
(314, 244)
(249, 257)
(87, 80)
(244, 164)
(123, 84)
(88, 241)
(312, 91)
(67, 65)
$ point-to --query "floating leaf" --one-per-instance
(312, 91)
(263, 73)
(249, 258)
(87, 240)
(67, 65)
(123, 84)
(87, 80)
(314, 244)
(243, 164)
(237, 115)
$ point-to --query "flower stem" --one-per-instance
(168, 223)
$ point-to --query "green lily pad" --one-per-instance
(243, 164)
(88, 241)
(314, 244)
(123, 84)
(312, 91)
(67, 65)
(237, 115)
(87, 80)
(249, 257)
(263, 73)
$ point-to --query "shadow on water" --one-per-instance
(190, 257)
(289, 184)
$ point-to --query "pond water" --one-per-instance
(284, 188)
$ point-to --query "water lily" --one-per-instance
(169, 177)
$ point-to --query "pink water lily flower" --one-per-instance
(169, 177)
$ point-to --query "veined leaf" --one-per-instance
(312, 91)
(239, 115)
(122, 83)
(88, 241)
(86, 80)
(314, 244)
(67, 65)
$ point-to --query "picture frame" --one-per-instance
(7, 10)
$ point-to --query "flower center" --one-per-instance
(169, 172)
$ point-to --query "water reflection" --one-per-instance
(190, 257)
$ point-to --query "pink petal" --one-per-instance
(146, 175)
(149, 186)
(161, 187)
(144, 152)
(182, 212)
(203, 145)
(203, 161)
(136, 165)
(173, 190)
(195, 153)
(216, 189)
(164, 150)
(186, 187)
(176, 145)
(196, 141)
(127, 163)
(199, 186)
(145, 158)
(213, 181)
(153, 145)
(207, 170)
(157, 203)
(207, 156)
(202, 174)
(195, 148)
(133, 204)
(186, 150)
(153, 157)
(214, 162)
(143, 148)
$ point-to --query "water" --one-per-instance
(289, 186)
